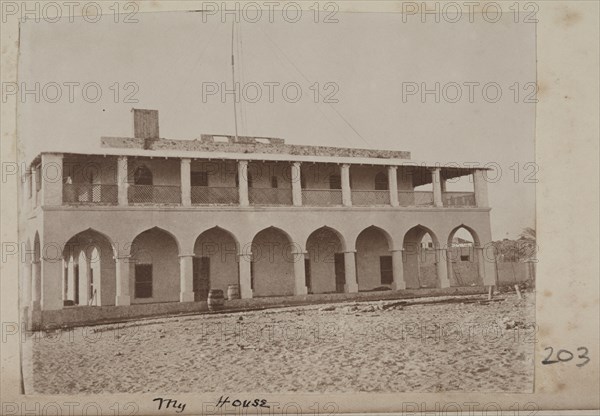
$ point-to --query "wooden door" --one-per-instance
(340, 272)
(201, 273)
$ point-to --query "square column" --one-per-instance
(437, 188)
(346, 191)
(71, 278)
(393, 185)
(122, 181)
(122, 277)
(296, 184)
(48, 283)
(351, 285)
(243, 182)
(442, 266)
(245, 277)
(186, 182)
(398, 270)
(52, 181)
(480, 185)
(480, 263)
(186, 278)
(299, 274)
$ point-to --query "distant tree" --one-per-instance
(524, 248)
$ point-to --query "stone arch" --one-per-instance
(374, 259)
(89, 271)
(272, 266)
(154, 267)
(324, 261)
(420, 262)
(215, 263)
(463, 257)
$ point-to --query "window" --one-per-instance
(381, 182)
(387, 272)
(143, 280)
(142, 176)
(335, 182)
(274, 182)
(252, 275)
(302, 180)
(464, 257)
(199, 178)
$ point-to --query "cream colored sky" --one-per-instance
(170, 56)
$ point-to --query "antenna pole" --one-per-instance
(234, 88)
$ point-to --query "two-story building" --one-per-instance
(149, 221)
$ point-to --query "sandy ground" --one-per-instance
(345, 347)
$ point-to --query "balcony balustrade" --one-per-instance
(90, 194)
(154, 194)
(270, 196)
(210, 195)
(368, 197)
(321, 197)
(415, 198)
(459, 199)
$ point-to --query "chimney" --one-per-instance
(145, 124)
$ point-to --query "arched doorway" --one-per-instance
(215, 262)
(374, 259)
(420, 257)
(154, 267)
(324, 263)
(272, 267)
(89, 270)
(463, 259)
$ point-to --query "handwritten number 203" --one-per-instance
(566, 355)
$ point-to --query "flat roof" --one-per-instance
(451, 169)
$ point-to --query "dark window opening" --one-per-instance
(335, 182)
(252, 275)
(386, 269)
(464, 257)
(274, 182)
(199, 178)
(302, 180)
(142, 176)
(38, 178)
(143, 280)
(381, 182)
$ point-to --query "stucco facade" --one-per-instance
(151, 224)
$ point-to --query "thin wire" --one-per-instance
(318, 92)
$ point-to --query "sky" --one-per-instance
(364, 66)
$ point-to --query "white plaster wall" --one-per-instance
(273, 264)
(370, 245)
(321, 247)
(159, 249)
(221, 248)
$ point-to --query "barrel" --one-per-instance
(233, 292)
(215, 299)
